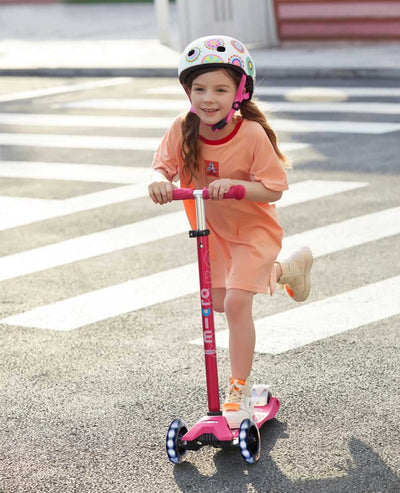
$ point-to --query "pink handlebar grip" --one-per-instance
(182, 193)
(236, 192)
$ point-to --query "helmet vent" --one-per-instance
(221, 48)
(191, 53)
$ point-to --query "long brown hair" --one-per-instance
(191, 123)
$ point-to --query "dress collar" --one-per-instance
(225, 139)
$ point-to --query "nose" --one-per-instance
(208, 96)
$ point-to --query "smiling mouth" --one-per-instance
(207, 110)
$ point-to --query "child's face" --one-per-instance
(212, 95)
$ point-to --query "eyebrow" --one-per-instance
(217, 85)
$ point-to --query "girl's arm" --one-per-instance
(160, 187)
(255, 190)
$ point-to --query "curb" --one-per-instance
(265, 72)
(88, 72)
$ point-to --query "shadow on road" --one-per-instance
(366, 473)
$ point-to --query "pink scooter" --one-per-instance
(213, 429)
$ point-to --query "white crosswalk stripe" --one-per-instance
(278, 333)
(289, 107)
(140, 293)
(310, 323)
(375, 92)
(280, 125)
(81, 142)
(139, 233)
(51, 91)
(15, 211)
(84, 121)
(74, 172)
(102, 142)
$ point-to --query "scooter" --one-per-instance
(213, 429)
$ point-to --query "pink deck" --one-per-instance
(218, 426)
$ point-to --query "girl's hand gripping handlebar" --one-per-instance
(236, 192)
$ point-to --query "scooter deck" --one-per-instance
(262, 414)
(265, 413)
(218, 427)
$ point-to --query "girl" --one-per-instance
(214, 146)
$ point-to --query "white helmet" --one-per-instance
(216, 50)
(220, 52)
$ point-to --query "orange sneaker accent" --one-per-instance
(238, 405)
(296, 273)
(289, 291)
(231, 406)
(241, 382)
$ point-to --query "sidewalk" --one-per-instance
(121, 40)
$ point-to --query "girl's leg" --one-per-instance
(218, 295)
(278, 270)
(238, 309)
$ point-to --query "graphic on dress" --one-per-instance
(212, 168)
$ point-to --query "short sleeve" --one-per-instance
(266, 166)
(168, 154)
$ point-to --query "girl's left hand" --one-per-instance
(218, 188)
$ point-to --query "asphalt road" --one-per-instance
(97, 357)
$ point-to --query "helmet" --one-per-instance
(216, 50)
(220, 52)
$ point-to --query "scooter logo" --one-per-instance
(208, 334)
(208, 338)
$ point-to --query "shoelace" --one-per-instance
(235, 394)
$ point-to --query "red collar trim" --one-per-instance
(225, 139)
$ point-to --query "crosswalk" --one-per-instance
(276, 333)
(96, 142)
(84, 121)
(290, 107)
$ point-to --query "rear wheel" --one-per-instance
(249, 441)
(176, 448)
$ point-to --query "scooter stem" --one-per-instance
(237, 192)
(207, 314)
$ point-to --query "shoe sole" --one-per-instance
(234, 422)
(306, 251)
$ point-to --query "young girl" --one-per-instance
(214, 146)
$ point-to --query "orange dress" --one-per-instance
(246, 236)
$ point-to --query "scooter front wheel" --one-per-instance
(176, 448)
(249, 441)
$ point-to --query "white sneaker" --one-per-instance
(238, 405)
(296, 273)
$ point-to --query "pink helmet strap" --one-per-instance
(235, 105)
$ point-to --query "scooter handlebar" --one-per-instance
(236, 192)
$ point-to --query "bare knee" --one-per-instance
(237, 302)
(218, 299)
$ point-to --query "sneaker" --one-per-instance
(296, 273)
(238, 405)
